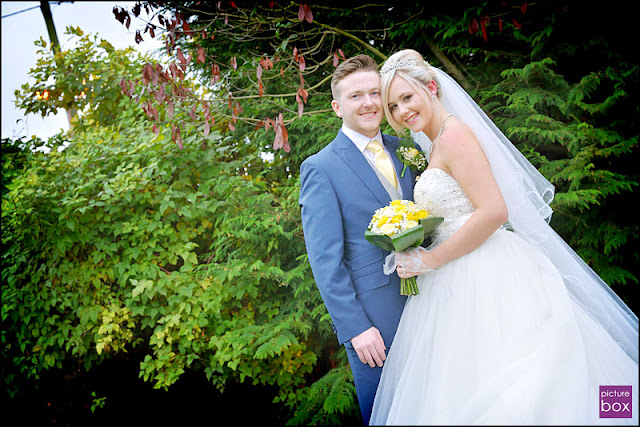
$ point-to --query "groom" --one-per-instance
(341, 187)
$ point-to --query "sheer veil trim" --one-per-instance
(528, 194)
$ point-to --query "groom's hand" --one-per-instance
(370, 347)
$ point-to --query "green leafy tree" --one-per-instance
(123, 240)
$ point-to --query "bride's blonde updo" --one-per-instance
(414, 69)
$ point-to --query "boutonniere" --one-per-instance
(411, 157)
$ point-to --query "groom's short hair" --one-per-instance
(357, 63)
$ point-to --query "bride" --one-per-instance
(510, 326)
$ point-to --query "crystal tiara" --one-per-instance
(388, 67)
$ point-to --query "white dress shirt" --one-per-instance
(361, 142)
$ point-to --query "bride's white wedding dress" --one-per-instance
(495, 338)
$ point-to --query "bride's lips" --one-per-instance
(411, 118)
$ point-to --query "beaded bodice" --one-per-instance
(441, 195)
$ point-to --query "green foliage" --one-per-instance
(86, 79)
(328, 400)
(122, 240)
(578, 150)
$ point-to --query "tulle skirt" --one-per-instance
(494, 338)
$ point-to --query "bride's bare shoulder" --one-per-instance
(459, 140)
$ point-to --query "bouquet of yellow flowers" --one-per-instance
(398, 226)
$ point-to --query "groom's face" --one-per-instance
(359, 103)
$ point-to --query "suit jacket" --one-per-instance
(339, 194)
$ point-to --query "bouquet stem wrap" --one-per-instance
(411, 261)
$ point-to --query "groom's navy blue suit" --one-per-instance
(339, 194)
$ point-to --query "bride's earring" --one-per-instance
(433, 97)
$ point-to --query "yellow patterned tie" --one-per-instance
(383, 162)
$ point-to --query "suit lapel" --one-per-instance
(348, 151)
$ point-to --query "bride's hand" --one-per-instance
(413, 262)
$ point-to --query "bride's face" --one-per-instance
(408, 107)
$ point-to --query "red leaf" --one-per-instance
(295, 54)
(147, 72)
(234, 63)
(215, 71)
(124, 86)
(302, 63)
(516, 23)
(119, 13)
(303, 94)
(259, 72)
(336, 60)
(301, 12)
(138, 38)
(170, 108)
(185, 27)
(160, 94)
(308, 15)
(260, 88)
(473, 26)
(231, 127)
(483, 23)
(285, 139)
(181, 58)
(282, 134)
(300, 104)
(152, 32)
(179, 138)
(201, 55)
(523, 8)
(342, 54)
(277, 141)
(175, 135)
(499, 24)
(207, 128)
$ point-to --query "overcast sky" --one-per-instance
(20, 30)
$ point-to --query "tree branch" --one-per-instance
(361, 42)
(446, 62)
